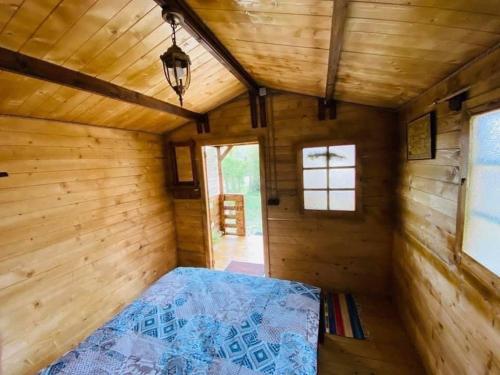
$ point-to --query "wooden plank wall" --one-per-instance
(85, 226)
(335, 253)
(189, 226)
(454, 322)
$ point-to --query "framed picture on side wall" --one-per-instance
(421, 137)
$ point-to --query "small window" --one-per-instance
(329, 177)
(481, 237)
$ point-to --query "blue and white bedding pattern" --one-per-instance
(199, 321)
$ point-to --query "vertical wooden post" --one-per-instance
(327, 105)
(219, 171)
(321, 109)
(202, 124)
(332, 106)
(263, 111)
(253, 110)
(221, 189)
(206, 123)
(199, 127)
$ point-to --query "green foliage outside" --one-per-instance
(216, 235)
(241, 172)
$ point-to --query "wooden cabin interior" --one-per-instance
(378, 136)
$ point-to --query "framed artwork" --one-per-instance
(421, 137)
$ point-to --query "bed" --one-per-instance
(199, 321)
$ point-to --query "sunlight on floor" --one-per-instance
(237, 248)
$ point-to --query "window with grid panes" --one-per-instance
(329, 178)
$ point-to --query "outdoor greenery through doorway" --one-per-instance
(241, 172)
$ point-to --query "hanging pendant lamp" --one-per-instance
(176, 63)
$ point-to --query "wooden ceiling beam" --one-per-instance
(194, 25)
(29, 66)
(336, 40)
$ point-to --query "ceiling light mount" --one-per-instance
(172, 17)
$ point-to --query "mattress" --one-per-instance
(199, 321)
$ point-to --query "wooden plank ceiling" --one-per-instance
(115, 40)
(395, 49)
(24, 96)
(283, 44)
(392, 49)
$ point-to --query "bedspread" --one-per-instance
(199, 321)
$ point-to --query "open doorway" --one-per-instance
(233, 194)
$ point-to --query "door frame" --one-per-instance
(233, 141)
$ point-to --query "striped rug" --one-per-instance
(341, 316)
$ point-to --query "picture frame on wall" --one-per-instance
(421, 137)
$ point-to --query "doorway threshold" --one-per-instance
(242, 254)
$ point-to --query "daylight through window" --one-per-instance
(482, 206)
(329, 178)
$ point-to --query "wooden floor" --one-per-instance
(239, 248)
(386, 351)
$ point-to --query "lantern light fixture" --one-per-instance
(176, 63)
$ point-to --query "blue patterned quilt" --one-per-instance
(198, 321)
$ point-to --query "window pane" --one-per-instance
(481, 241)
(342, 156)
(315, 200)
(314, 157)
(315, 179)
(486, 139)
(342, 200)
(482, 211)
(343, 178)
(484, 189)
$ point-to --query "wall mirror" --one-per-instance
(185, 182)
